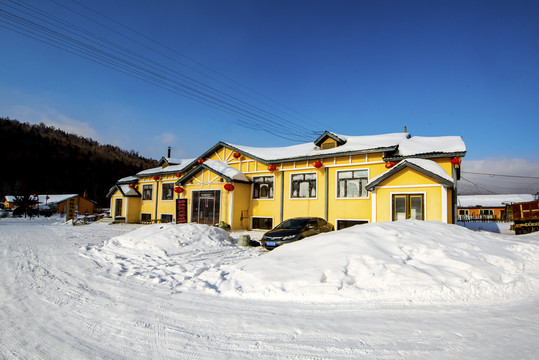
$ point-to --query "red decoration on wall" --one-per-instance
(156, 177)
(200, 161)
(318, 164)
(236, 155)
(456, 161)
(229, 187)
(389, 164)
(178, 189)
(272, 168)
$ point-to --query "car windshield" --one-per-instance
(293, 224)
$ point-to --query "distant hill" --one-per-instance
(39, 159)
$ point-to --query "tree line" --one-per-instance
(39, 159)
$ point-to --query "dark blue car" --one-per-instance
(294, 229)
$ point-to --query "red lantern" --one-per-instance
(236, 155)
(178, 175)
(156, 177)
(200, 161)
(178, 189)
(456, 161)
(389, 164)
(272, 168)
(318, 164)
(132, 185)
(229, 187)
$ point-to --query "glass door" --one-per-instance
(408, 206)
(206, 206)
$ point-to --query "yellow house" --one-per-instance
(346, 180)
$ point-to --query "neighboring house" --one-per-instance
(346, 180)
(487, 207)
(57, 203)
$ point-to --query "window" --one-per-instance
(486, 212)
(147, 191)
(464, 212)
(303, 185)
(145, 217)
(262, 223)
(166, 218)
(408, 206)
(262, 187)
(351, 184)
(342, 224)
(168, 192)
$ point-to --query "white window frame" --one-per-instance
(367, 196)
(337, 221)
(263, 217)
(143, 192)
(315, 182)
(253, 188)
(163, 191)
(171, 215)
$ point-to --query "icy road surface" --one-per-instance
(57, 304)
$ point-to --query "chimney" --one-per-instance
(168, 152)
(404, 131)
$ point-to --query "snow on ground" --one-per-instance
(398, 261)
(410, 290)
(495, 227)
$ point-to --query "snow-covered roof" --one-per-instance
(127, 180)
(428, 167)
(128, 190)
(353, 144)
(46, 199)
(226, 170)
(179, 167)
(418, 145)
(498, 200)
(402, 143)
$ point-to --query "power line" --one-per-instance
(471, 182)
(512, 176)
(90, 46)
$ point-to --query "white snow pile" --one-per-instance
(415, 261)
(166, 253)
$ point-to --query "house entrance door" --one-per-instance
(206, 206)
(118, 208)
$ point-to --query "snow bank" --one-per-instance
(167, 253)
(400, 261)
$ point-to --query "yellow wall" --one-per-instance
(405, 182)
(282, 206)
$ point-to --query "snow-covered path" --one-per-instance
(57, 304)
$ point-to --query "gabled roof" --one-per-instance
(171, 161)
(331, 135)
(429, 147)
(221, 169)
(397, 145)
(183, 164)
(426, 167)
(125, 190)
(307, 151)
(498, 200)
(46, 199)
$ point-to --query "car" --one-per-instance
(294, 229)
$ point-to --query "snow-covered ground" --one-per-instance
(403, 290)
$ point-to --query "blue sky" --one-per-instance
(466, 68)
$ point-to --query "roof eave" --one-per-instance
(425, 156)
(402, 165)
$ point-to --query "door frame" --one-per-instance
(407, 204)
(217, 195)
